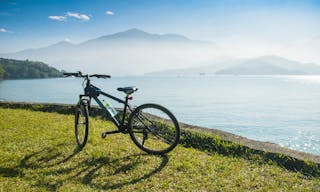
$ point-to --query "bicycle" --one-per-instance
(152, 127)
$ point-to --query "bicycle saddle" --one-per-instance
(128, 90)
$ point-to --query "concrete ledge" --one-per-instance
(257, 145)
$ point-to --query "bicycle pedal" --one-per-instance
(103, 135)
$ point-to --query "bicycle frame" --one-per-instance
(92, 91)
(138, 125)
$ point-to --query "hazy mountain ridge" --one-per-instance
(128, 52)
(136, 52)
(136, 37)
(141, 35)
(264, 65)
(272, 65)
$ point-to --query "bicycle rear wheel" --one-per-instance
(154, 129)
(82, 123)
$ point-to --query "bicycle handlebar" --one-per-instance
(71, 74)
(100, 76)
(79, 74)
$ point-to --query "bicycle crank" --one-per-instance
(104, 134)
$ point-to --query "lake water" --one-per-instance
(279, 109)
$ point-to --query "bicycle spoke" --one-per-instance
(142, 118)
(160, 137)
(158, 133)
(154, 129)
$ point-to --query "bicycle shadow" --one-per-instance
(9, 172)
(100, 173)
(122, 166)
(35, 160)
(47, 157)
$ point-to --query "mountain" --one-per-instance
(136, 52)
(129, 52)
(136, 34)
(272, 65)
(264, 65)
(60, 46)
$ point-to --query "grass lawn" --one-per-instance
(38, 153)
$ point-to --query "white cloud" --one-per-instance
(82, 17)
(3, 30)
(67, 40)
(57, 18)
(109, 12)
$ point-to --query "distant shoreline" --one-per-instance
(33, 78)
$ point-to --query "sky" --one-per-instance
(239, 23)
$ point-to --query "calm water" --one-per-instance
(280, 109)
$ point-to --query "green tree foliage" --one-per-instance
(18, 69)
(1, 72)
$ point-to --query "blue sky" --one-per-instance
(36, 23)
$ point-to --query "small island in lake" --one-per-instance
(25, 69)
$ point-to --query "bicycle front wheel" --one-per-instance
(82, 123)
(154, 129)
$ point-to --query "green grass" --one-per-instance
(38, 153)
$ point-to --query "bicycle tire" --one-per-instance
(154, 129)
(82, 123)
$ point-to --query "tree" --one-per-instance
(17, 69)
(1, 72)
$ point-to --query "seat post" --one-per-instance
(124, 109)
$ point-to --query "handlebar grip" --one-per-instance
(100, 76)
(106, 76)
(71, 74)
